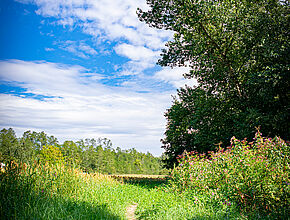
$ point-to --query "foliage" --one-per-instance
(24, 149)
(51, 154)
(199, 121)
(40, 191)
(72, 152)
(140, 179)
(90, 155)
(9, 146)
(36, 140)
(222, 41)
(99, 156)
(253, 175)
(239, 53)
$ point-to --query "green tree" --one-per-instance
(89, 155)
(9, 145)
(28, 152)
(72, 153)
(239, 53)
(199, 121)
(51, 154)
(39, 139)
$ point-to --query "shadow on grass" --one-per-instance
(144, 182)
(148, 185)
(42, 207)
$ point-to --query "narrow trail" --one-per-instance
(130, 211)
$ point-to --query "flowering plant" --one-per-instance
(254, 175)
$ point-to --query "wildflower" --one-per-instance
(192, 131)
(2, 167)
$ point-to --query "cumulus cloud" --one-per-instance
(114, 21)
(174, 76)
(80, 107)
(42, 77)
(108, 20)
(76, 103)
(141, 58)
(135, 53)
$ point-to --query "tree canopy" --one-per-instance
(90, 155)
(239, 53)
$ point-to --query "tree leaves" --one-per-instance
(239, 53)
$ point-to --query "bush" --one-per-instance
(51, 154)
(253, 175)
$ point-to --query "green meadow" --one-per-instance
(237, 55)
(58, 192)
(248, 180)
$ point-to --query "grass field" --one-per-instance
(57, 192)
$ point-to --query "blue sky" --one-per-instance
(85, 69)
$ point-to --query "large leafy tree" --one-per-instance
(239, 53)
(9, 145)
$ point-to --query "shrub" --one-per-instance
(253, 175)
(51, 154)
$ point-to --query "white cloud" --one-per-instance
(80, 49)
(48, 49)
(140, 56)
(81, 107)
(87, 49)
(175, 77)
(42, 77)
(115, 19)
(108, 20)
(135, 52)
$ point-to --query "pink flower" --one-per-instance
(192, 131)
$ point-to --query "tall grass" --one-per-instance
(51, 192)
(42, 191)
(45, 191)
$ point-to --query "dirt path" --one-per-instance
(130, 212)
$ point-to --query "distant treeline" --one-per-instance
(90, 155)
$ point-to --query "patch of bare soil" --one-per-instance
(130, 212)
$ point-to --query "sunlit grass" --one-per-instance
(59, 192)
(49, 192)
